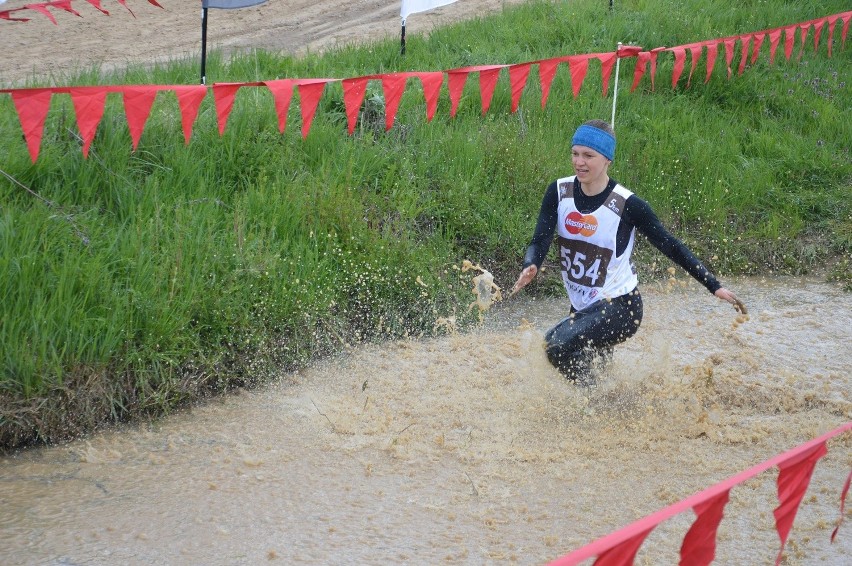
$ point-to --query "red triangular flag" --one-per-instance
(393, 85)
(641, 62)
(843, 493)
(42, 8)
(353, 95)
(699, 545)
(745, 44)
(546, 72)
(774, 38)
(282, 94)
(805, 27)
(431, 91)
(679, 63)
(138, 101)
(65, 5)
(455, 81)
(579, 66)
(189, 101)
(712, 52)
(831, 21)
(487, 81)
(89, 108)
(97, 4)
(124, 3)
(654, 53)
(758, 41)
(518, 75)
(7, 15)
(32, 105)
(607, 63)
(789, 38)
(224, 95)
(310, 92)
(818, 25)
(729, 52)
(793, 478)
(695, 51)
(624, 553)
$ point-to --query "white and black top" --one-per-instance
(596, 236)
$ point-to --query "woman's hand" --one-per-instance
(729, 296)
(526, 276)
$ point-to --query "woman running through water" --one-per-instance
(596, 220)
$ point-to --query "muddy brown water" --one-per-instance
(470, 448)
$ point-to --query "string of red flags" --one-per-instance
(32, 104)
(795, 468)
(64, 5)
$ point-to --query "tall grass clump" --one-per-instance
(134, 282)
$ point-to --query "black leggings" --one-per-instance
(573, 344)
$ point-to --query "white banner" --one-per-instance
(230, 4)
(413, 6)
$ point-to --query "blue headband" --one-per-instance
(597, 139)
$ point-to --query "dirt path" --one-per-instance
(39, 48)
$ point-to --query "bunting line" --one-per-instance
(65, 5)
(32, 104)
(698, 548)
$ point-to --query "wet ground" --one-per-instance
(470, 448)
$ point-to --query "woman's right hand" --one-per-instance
(526, 276)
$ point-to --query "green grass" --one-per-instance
(133, 282)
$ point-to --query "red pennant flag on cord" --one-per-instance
(774, 38)
(758, 41)
(224, 95)
(41, 8)
(607, 63)
(789, 38)
(455, 84)
(89, 108)
(546, 72)
(712, 53)
(695, 51)
(432, 83)
(831, 21)
(699, 544)
(843, 493)
(745, 44)
(138, 101)
(282, 94)
(487, 81)
(7, 15)
(189, 101)
(793, 478)
(579, 66)
(624, 553)
(97, 4)
(65, 5)
(639, 71)
(729, 53)
(393, 85)
(818, 25)
(32, 105)
(518, 75)
(679, 63)
(353, 96)
(310, 92)
(803, 35)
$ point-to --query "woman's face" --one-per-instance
(589, 165)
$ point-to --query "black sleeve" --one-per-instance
(544, 228)
(642, 216)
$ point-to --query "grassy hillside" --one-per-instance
(134, 282)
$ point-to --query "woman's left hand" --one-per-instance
(729, 296)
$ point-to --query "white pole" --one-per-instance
(615, 86)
